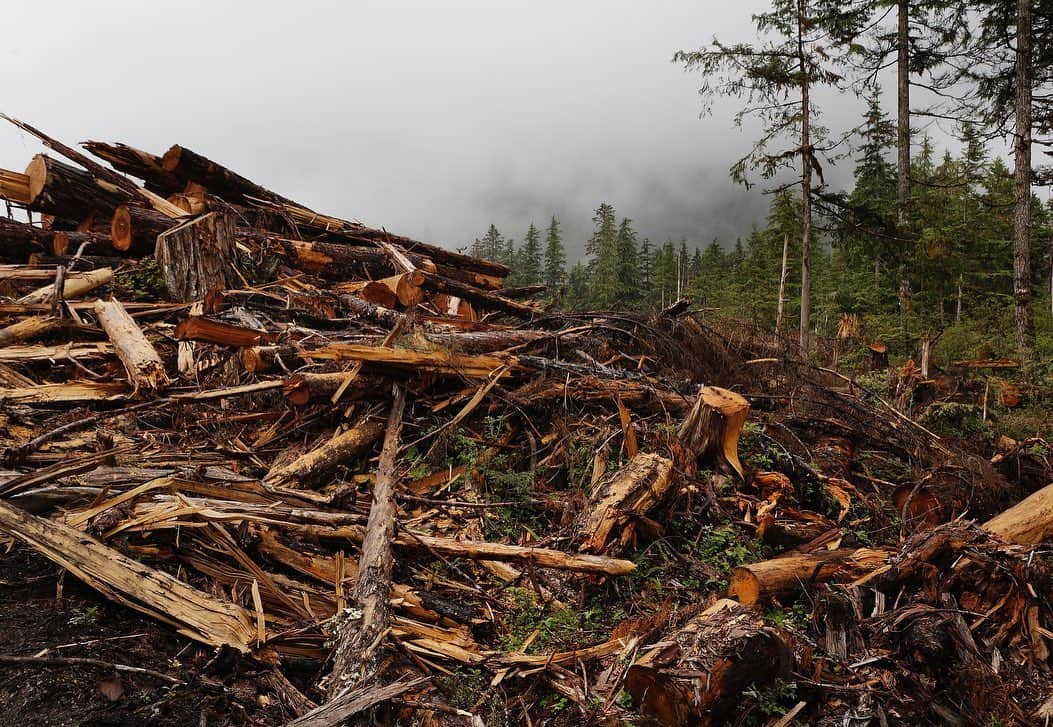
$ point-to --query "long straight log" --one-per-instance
(57, 188)
(440, 361)
(27, 328)
(189, 166)
(480, 550)
(141, 361)
(779, 577)
(18, 240)
(138, 163)
(14, 186)
(199, 328)
(74, 286)
(358, 640)
(300, 389)
(439, 284)
(135, 229)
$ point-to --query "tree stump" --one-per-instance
(695, 676)
(712, 428)
(196, 256)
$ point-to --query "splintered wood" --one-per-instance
(365, 464)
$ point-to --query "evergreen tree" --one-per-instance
(528, 262)
(603, 267)
(628, 293)
(646, 257)
(555, 257)
(578, 295)
(490, 246)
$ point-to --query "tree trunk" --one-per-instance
(189, 166)
(141, 361)
(18, 240)
(403, 289)
(138, 163)
(135, 229)
(301, 389)
(27, 328)
(806, 185)
(618, 501)
(782, 281)
(777, 578)
(199, 328)
(14, 186)
(74, 286)
(196, 257)
(903, 150)
(59, 189)
(314, 467)
(1029, 522)
(696, 676)
(358, 640)
(711, 430)
(1025, 329)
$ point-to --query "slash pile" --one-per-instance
(361, 464)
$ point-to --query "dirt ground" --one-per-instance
(220, 691)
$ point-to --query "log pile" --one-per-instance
(362, 465)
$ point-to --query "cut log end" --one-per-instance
(170, 161)
(121, 229)
(37, 171)
(712, 428)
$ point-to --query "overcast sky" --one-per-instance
(432, 119)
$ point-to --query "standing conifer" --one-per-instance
(555, 257)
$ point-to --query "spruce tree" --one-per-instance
(528, 260)
(628, 291)
(555, 272)
(603, 267)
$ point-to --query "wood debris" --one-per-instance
(195, 374)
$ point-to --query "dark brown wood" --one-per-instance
(486, 299)
(697, 675)
(63, 190)
(19, 240)
(196, 257)
(138, 163)
(135, 229)
(189, 166)
(68, 243)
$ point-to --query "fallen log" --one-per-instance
(135, 230)
(144, 367)
(74, 286)
(130, 583)
(138, 163)
(618, 500)
(200, 328)
(66, 243)
(769, 580)
(439, 361)
(1029, 522)
(69, 392)
(711, 430)
(487, 299)
(196, 257)
(403, 290)
(263, 359)
(479, 550)
(697, 675)
(28, 328)
(19, 240)
(14, 186)
(301, 389)
(358, 640)
(12, 353)
(314, 467)
(57, 188)
(189, 166)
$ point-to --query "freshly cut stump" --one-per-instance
(712, 428)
